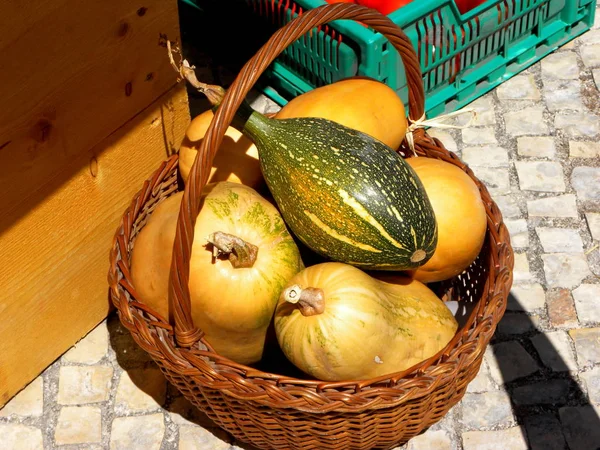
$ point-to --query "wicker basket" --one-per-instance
(274, 411)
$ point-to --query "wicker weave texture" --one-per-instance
(275, 411)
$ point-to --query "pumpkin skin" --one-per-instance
(233, 306)
(383, 116)
(236, 160)
(367, 328)
(460, 215)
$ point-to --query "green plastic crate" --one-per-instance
(462, 56)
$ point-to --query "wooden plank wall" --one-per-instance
(90, 106)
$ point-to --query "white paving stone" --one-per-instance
(496, 180)
(590, 55)
(560, 240)
(487, 156)
(587, 302)
(590, 37)
(586, 345)
(555, 350)
(137, 432)
(586, 181)
(519, 234)
(559, 206)
(479, 136)
(84, 384)
(508, 206)
(526, 297)
(536, 146)
(483, 381)
(562, 95)
(27, 403)
(563, 66)
(577, 123)
(528, 121)
(16, 436)
(509, 361)
(593, 221)
(140, 390)
(540, 176)
(591, 379)
(79, 425)
(596, 74)
(584, 149)
(485, 411)
(565, 269)
(91, 349)
(193, 438)
(438, 440)
(521, 272)
(519, 87)
(512, 438)
(484, 109)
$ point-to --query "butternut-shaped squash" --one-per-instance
(336, 322)
(234, 293)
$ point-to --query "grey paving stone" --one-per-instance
(513, 438)
(519, 87)
(486, 156)
(559, 206)
(587, 302)
(514, 324)
(16, 436)
(581, 426)
(555, 351)
(586, 181)
(591, 378)
(577, 123)
(565, 269)
(487, 410)
(586, 345)
(563, 94)
(193, 438)
(552, 392)
(584, 149)
(593, 221)
(596, 74)
(519, 234)
(496, 180)
(540, 176)
(484, 109)
(521, 272)
(528, 121)
(508, 206)
(479, 136)
(544, 432)
(438, 439)
(560, 240)
(563, 66)
(509, 361)
(536, 146)
(27, 403)
(137, 432)
(590, 55)
(483, 381)
(526, 297)
(590, 37)
(445, 137)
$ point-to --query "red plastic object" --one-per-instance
(467, 5)
(384, 6)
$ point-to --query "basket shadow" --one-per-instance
(546, 399)
(138, 364)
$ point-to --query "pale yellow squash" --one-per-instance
(336, 322)
(231, 303)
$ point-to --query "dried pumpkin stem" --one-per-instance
(310, 301)
(241, 254)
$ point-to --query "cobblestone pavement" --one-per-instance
(536, 145)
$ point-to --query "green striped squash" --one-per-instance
(344, 194)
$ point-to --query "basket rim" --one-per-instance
(155, 335)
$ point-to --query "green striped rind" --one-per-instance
(344, 194)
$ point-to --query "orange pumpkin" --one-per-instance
(460, 216)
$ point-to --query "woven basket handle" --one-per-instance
(186, 333)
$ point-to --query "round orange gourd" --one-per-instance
(460, 216)
(236, 160)
(363, 104)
